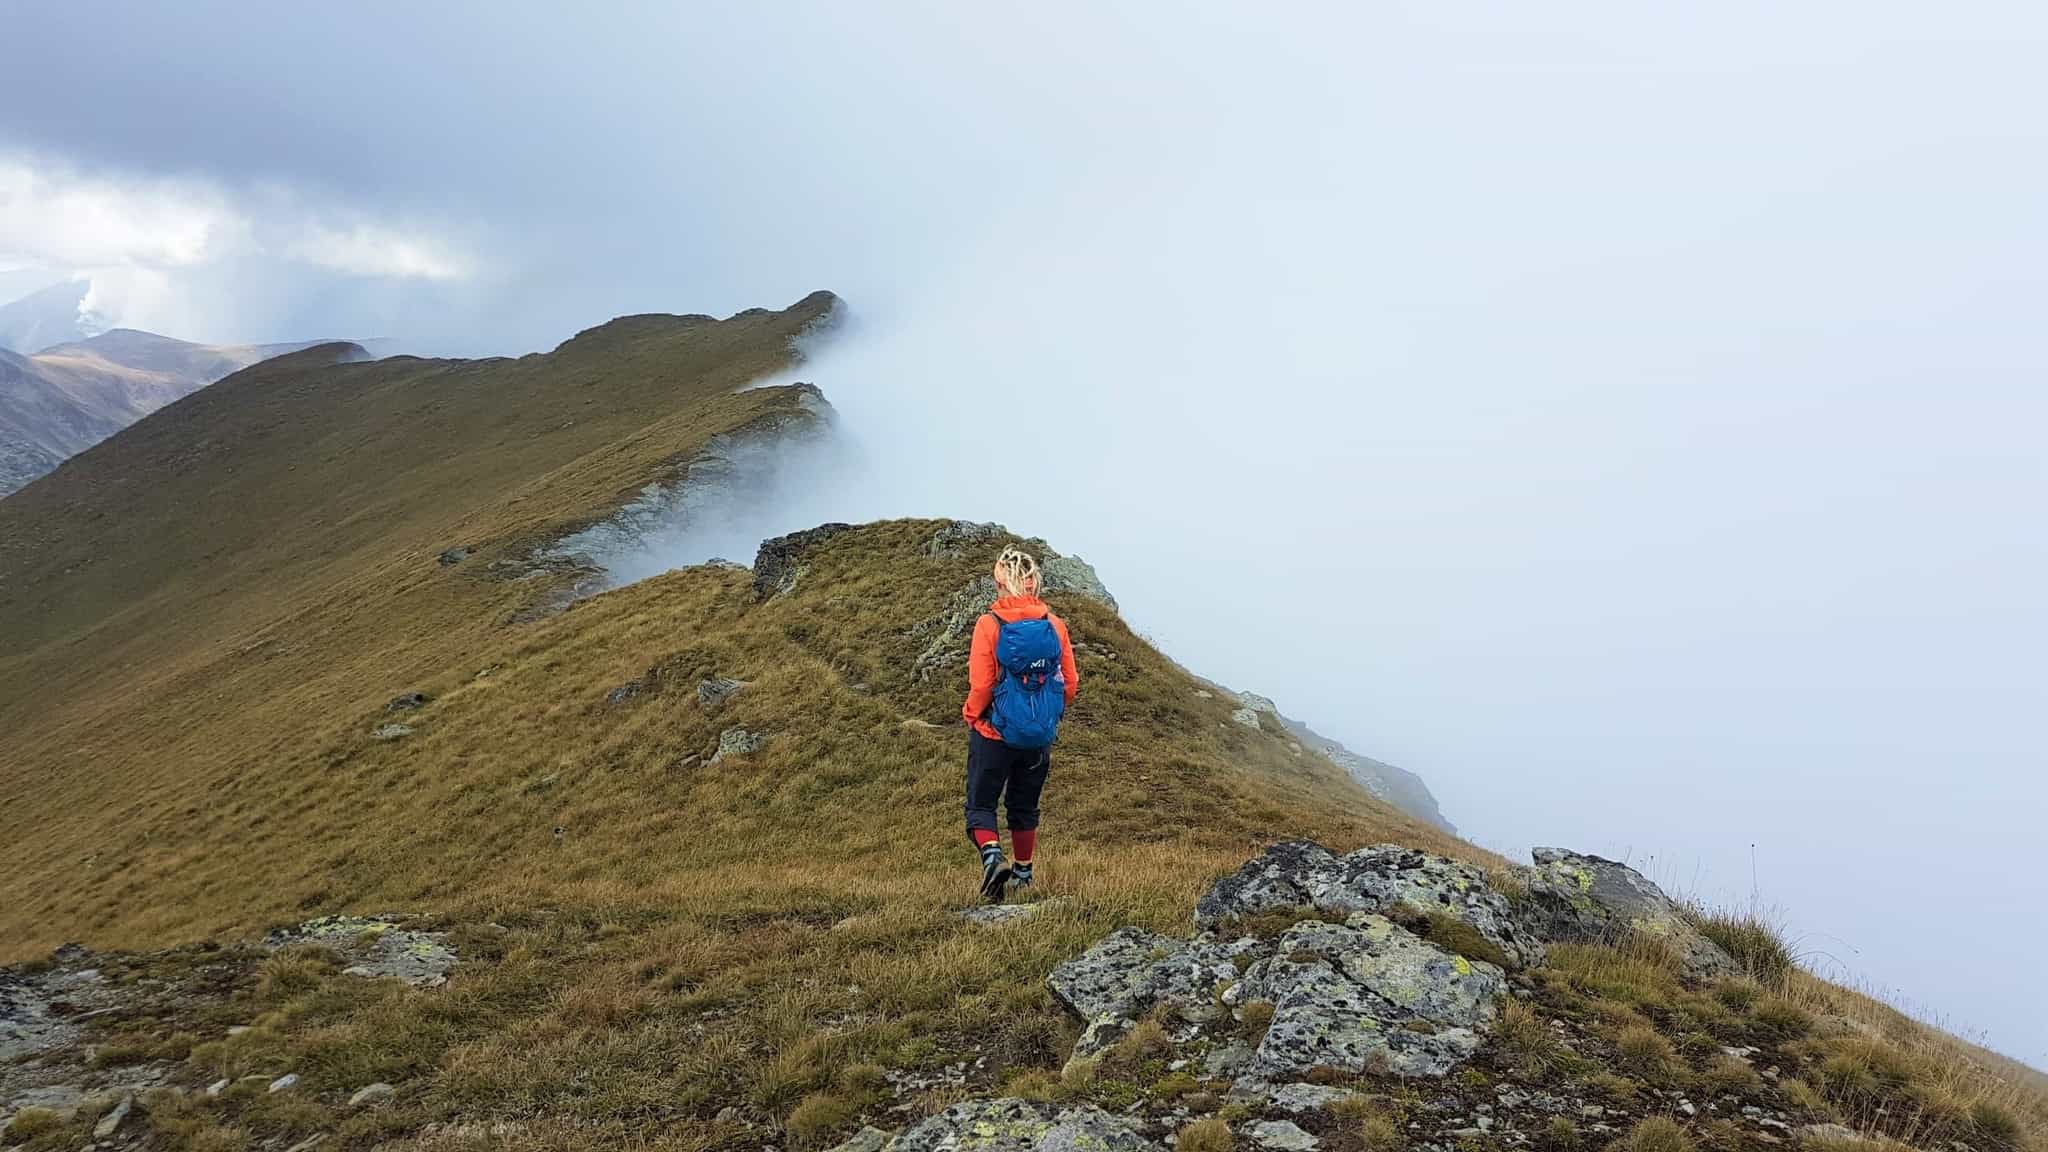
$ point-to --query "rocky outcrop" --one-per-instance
(947, 633)
(1360, 995)
(779, 562)
(1578, 897)
(375, 946)
(1381, 879)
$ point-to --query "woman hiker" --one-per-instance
(1020, 677)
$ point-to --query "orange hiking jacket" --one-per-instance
(981, 658)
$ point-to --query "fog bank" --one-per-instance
(1626, 418)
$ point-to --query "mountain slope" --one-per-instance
(1397, 786)
(303, 644)
(70, 396)
(40, 319)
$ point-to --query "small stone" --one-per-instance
(409, 702)
(112, 1121)
(717, 690)
(1830, 1133)
(1283, 1136)
(284, 1082)
(371, 1094)
(393, 732)
(1484, 1122)
(1686, 1106)
(623, 693)
(868, 1139)
(309, 1143)
(452, 557)
(237, 1029)
(727, 1115)
(738, 742)
(217, 1087)
(991, 914)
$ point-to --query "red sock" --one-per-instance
(1023, 843)
(983, 837)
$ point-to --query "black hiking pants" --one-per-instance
(996, 771)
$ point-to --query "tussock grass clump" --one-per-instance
(1784, 1019)
(1638, 970)
(1560, 1133)
(1379, 1134)
(1655, 1134)
(1147, 1040)
(1644, 1051)
(1521, 1031)
(1729, 1076)
(821, 1114)
(1753, 940)
(30, 1123)
(1740, 994)
(1254, 1017)
(1211, 1135)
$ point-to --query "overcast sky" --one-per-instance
(1629, 419)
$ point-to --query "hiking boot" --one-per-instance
(995, 875)
(1020, 879)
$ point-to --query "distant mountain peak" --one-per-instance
(42, 319)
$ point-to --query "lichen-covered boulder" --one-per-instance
(1588, 898)
(1368, 996)
(1377, 879)
(1073, 575)
(1013, 1125)
(376, 946)
(1130, 971)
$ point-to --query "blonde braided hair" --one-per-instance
(1016, 572)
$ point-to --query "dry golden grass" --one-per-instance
(188, 696)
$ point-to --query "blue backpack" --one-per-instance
(1031, 694)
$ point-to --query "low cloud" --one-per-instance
(149, 242)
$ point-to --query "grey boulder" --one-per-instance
(1376, 879)
(1578, 897)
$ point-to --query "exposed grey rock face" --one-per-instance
(393, 732)
(738, 742)
(1376, 879)
(408, 702)
(1578, 897)
(1074, 576)
(1014, 1125)
(1248, 717)
(779, 562)
(376, 947)
(956, 538)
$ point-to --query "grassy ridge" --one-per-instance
(205, 617)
